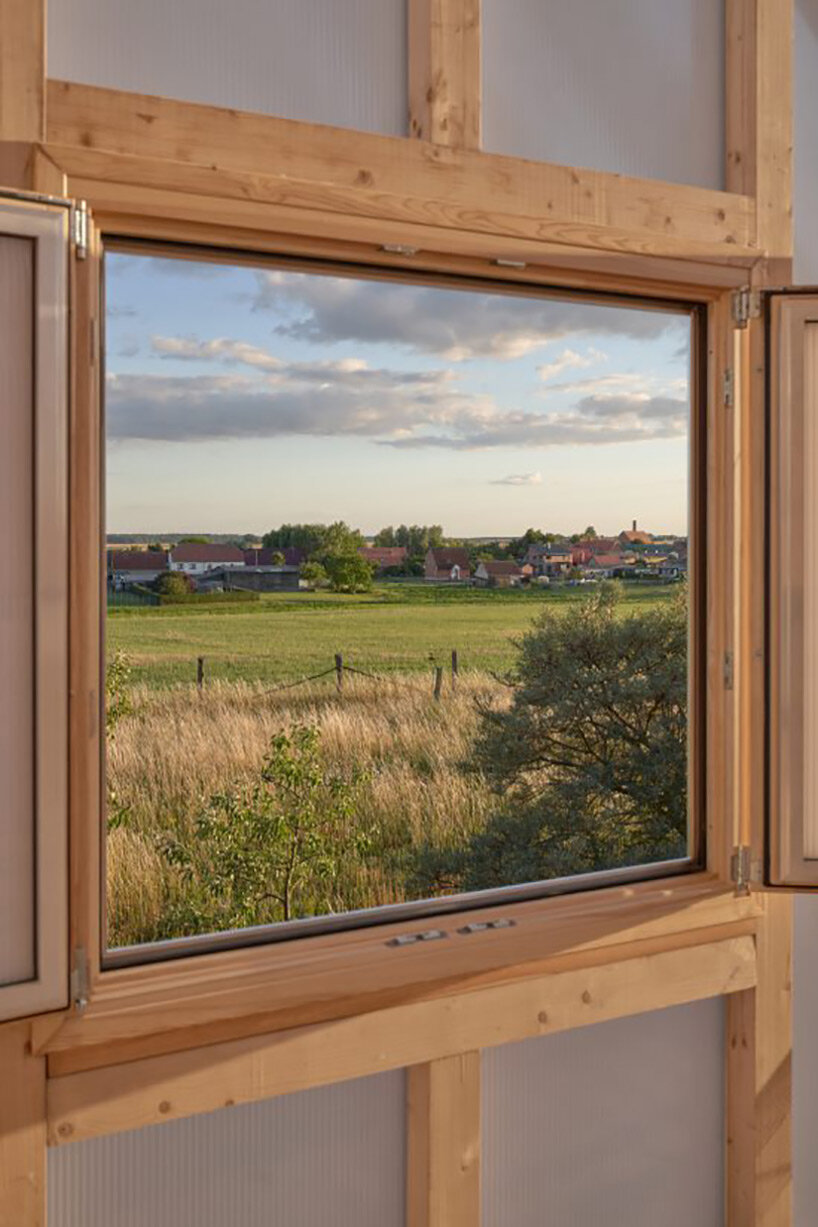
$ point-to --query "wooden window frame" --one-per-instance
(146, 1044)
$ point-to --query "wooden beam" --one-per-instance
(161, 1007)
(22, 70)
(443, 1142)
(210, 151)
(759, 115)
(773, 1065)
(162, 1088)
(445, 75)
(22, 1130)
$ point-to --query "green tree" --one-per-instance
(348, 573)
(313, 574)
(589, 760)
(196, 540)
(269, 849)
(173, 583)
(315, 540)
(386, 536)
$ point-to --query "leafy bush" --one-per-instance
(589, 761)
(348, 573)
(270, 849)
(233, 597)
(173, 583)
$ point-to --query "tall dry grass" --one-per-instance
(177, 747)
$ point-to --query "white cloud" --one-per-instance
(567, 360)
(455, 324)
(519, 479)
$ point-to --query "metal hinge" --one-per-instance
(727, 387)
(399, 249)
(728, 670)
(745, 305)
(743, 871)
(79, 980)
(79, 229)
(411, 939)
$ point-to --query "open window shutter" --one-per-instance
(34, 371)
(792, 837)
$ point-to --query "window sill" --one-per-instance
(143, 1011)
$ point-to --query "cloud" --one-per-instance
(421, 410)
(455, 324)
(519, 479)
(568, 359)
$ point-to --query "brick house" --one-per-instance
(447, 563)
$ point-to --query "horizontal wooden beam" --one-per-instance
(157, 1089)
(139, 1011)
(335, 172)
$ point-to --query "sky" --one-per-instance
(241, 398)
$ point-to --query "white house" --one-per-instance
(197, 558)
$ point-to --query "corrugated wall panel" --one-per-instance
(635, 87)
(339, 62)
(620, 1124)
(332, 1157)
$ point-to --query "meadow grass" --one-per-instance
(394, 629)
(177, 747)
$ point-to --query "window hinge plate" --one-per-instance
(79, 980)
(728, 670)
(727, 387)
(745, 305)
(743, 869)
(79, 229)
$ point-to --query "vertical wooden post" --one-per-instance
(200, 670)
(22, 70)
(438, 681)
(22, 1130)
(445, 74)
(443, 1142)
(455, 666)
(759, 115)
(339, 671)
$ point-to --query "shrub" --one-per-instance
(348, 573)
(174, 583)
(269, 849)
(590, 758)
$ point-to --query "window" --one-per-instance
(403, 595)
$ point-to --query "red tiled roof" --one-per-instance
(137, 560)
(264, 557)
(446, 557)
(191, 551)
(500, 566)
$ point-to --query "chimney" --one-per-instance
(634, 526)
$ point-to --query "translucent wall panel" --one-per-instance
(17, 835)
(805, 145)
(635, 87)
(337, 62)
(332, 1157)
(621, 1123)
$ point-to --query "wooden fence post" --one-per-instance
(455, 667)
(438, 681)
(339, 670)
(200, 667)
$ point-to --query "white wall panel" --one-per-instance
(332, 1157)
(805, 143)
(635, 87)
(339, 62)
(620, 1124)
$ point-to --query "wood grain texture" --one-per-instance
(445, 74)
(459, 189)
(22, 1130)
(22, 70)
(148, 1091)
(443, 1142)
(161, 1007)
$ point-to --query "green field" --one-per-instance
(286, 636)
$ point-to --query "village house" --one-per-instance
(548, 561)
(383, 557)
(635, 536)
(135, 566)
(197, 558)
(498, 574)
(447, 563)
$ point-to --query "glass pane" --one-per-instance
(397, 595)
